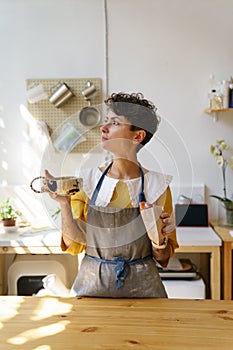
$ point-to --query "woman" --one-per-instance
(104, 217)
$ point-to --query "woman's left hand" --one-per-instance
(163, 255)
(168, 224)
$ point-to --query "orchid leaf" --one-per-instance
(228, 203)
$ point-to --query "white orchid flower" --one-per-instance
(220, 161)
(217, 150)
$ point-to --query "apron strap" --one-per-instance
(141, 197)
(99, 184)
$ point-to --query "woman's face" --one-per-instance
(116, 134)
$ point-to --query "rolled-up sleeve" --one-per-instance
(79, 207)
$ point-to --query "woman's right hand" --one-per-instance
(58, 198)
(70, 229)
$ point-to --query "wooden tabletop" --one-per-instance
(223, 231)
(52, 323)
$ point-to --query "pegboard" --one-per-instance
(55, 117)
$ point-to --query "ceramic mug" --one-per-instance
(36, 94)
(63, 186)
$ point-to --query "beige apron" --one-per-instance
(118, 262)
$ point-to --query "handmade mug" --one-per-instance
(62, 186)
(36, 93)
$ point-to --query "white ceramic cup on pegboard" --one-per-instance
(36, 93)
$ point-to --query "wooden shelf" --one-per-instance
(210, 111)
(215, 112)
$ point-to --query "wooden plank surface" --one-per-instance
(223, 232)
(50, 323)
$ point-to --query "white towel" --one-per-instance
(54, 286)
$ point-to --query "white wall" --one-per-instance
(42, 39)
(164, 48)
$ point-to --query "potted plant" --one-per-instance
(218, 151)
(8, 214)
